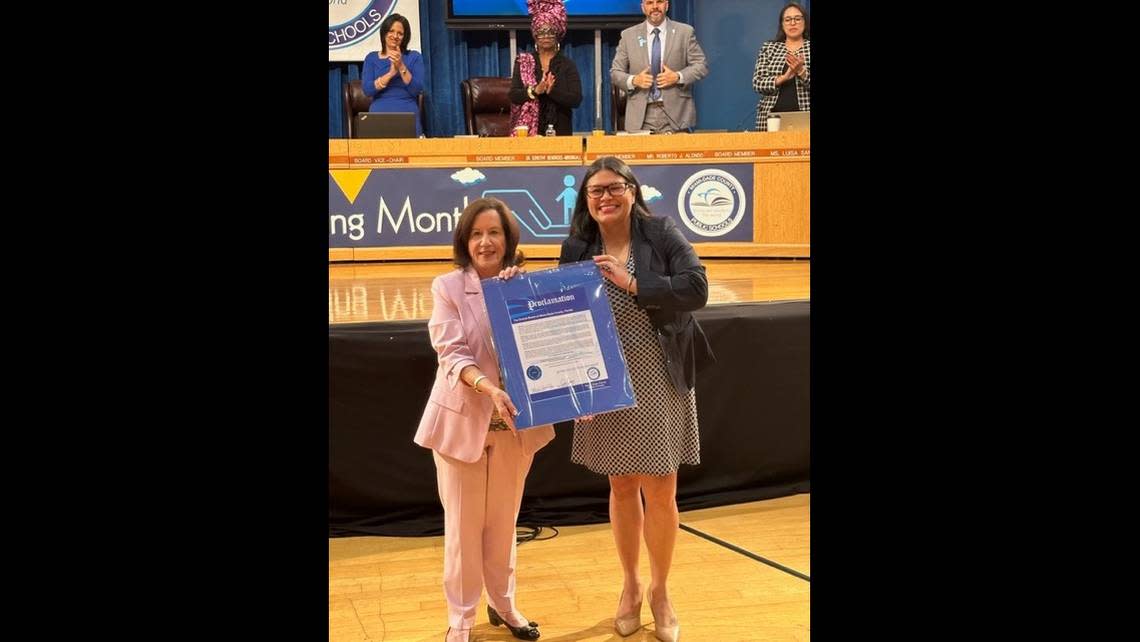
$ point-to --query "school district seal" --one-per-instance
(711, 202)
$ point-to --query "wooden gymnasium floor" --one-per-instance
(390, 588)
(391, 291)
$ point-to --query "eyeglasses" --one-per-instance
(615, 189)
(791, 20)
(545, 33)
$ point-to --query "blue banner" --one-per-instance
(415, 207)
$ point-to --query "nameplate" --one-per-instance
(742, 155)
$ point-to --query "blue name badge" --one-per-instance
(558, 347)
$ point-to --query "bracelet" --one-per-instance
(530, 92)
(476, 384)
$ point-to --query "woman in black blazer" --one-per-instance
(654, 281)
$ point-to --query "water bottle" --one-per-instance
(550, 129)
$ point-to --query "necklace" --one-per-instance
(625, 255)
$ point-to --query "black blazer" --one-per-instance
(671, 283)
(558, 106)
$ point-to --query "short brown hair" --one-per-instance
(511, 255)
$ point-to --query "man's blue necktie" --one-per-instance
(655, 64)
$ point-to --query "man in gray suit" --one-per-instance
(658, 62)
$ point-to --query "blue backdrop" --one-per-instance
(730, 32)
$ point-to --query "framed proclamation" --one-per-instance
(559, 351)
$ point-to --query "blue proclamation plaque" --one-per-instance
(559, 351)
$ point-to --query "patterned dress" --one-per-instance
(660, 433)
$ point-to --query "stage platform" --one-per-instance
(753, 404)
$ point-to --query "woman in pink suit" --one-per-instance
(481, 460)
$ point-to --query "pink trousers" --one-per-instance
(481, 503)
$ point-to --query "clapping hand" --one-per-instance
(795, 64)
(545, 86)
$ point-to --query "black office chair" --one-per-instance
(355, 101)
(487, 105)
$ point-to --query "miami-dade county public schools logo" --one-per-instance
(351, 21)
(711, 202)
(534, 372)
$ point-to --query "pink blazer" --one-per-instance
(456, 420)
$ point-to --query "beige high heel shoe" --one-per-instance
(457, 635)
(627, 625)
(664, 630)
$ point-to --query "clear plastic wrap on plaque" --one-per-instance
(559, 351)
